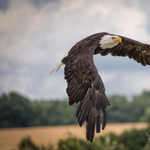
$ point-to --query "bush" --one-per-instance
(134, 139)
(73, 143)
(147, 146)
(129, 140)
(27, 144)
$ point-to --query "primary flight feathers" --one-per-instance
(84, 82)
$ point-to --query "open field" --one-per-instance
(9, 138)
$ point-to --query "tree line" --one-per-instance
(17, 110)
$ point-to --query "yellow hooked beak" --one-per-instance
(118, 39)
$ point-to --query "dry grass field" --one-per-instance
(9, 138)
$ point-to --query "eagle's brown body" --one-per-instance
(85, 84)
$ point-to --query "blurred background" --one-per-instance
(34, 37)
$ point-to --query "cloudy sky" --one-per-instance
(36, 34)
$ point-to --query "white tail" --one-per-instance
(57, 67)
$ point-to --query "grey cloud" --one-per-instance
(4, 5)
(40, 3)
(145, 7)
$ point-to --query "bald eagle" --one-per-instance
(85, 84)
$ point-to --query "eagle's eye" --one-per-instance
(113, 38)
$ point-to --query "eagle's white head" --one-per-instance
(109, 41)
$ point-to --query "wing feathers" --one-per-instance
(104, 118)
(105, 52)
(131, 52)
(98, 123)
(91, 93)
(99, 102)
(147, 57)
(90, 107)
(124, 51)
(90, 127)
(92, 97)
(80, 97)
(142, 59)
(136, 56)
(84, 110)
(74, 94)
(115, 50)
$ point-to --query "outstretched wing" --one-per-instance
(133, 49)
(86, 86)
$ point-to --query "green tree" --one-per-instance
(118, 110)
(15, 111)
(138, 106)
(18, 111)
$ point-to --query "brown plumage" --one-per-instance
(85, 84)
